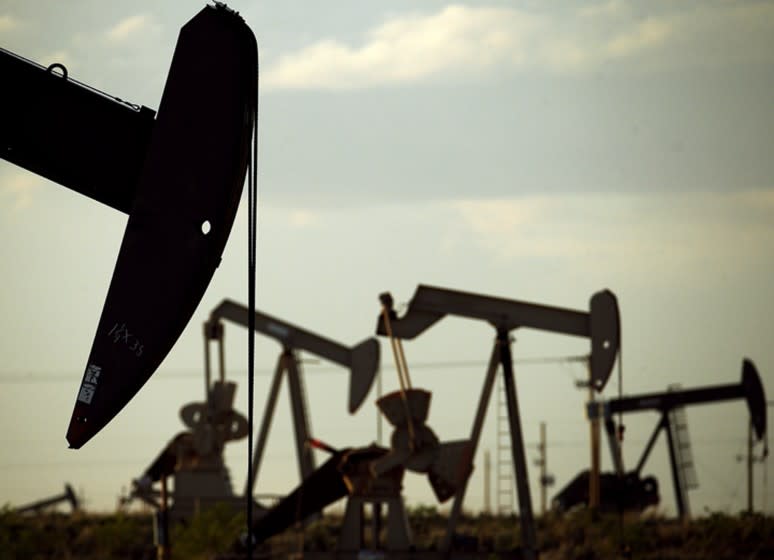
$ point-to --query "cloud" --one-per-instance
(301, 218)
(500, 216)
(464, 39)
(668, 232)
(459, 40)
(511, 228)
(129, 28)
(408, 48)
(649, 33)
(62, 57)
(728, 33)
(19, 186)
(610, 8)
(8, 23)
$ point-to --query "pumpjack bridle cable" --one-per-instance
(400, 365)
(252, 238)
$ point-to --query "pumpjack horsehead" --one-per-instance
(178, 173)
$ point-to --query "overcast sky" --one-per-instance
(530, 151)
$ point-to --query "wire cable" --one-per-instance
(252, 238)
(437, 366)
(403, 377)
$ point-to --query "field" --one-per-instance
(212, 534)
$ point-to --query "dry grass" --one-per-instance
(575, 536)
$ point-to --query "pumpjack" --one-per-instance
(362, 361)
(68, 496)
(177, 172)
(193, 459)
(601, 325)
(373, 474)
(622, 490)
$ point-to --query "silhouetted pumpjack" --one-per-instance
(195, 457)
(68, 496)
(373, 475)
(430, 304)
(362, 361)
(178, 173)
(636, 492)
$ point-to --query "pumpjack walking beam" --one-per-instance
(72, 134)
(362, 360)
(600, 324)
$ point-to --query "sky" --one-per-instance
(531, 151)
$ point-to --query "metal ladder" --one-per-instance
(505, 486)
(686, 469)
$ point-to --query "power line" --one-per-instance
(47, 377)
(59, 464)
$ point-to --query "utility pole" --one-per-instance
(750, 460)
(595, 436)
(378, 414)
(487, 482)
(546, 479)
(543, 468)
